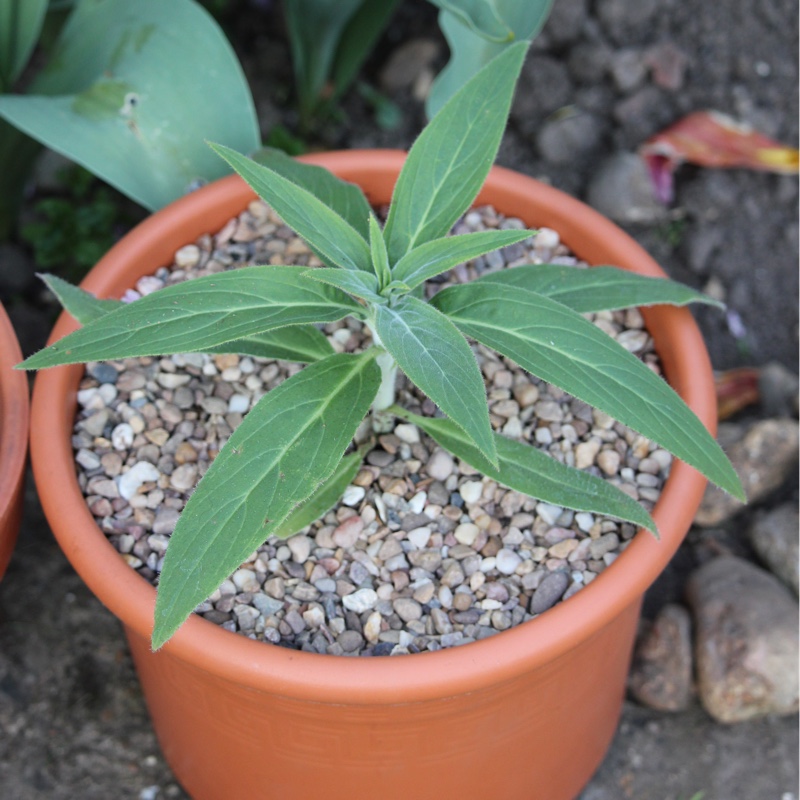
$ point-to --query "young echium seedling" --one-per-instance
(285, 465)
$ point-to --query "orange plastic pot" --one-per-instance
(525, 714)
(14, 409)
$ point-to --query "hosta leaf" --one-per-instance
(361, 284)
(346, 199)
(201, 314)
(561, 347)
(102, 99)
(450, 160)
(480, 16)
(330, 236)
(530, 471)
(470, 50)
(599, 288)
(288, 444)
(324, 498)
(300, 343)
(439, 255)
(437, 358)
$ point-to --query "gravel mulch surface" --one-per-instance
(423, 552)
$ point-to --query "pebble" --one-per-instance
(763, 455)
(507, 561)
(746, 640)
(440, 466)
(549, 591)
(622, 190)
(346, 534)
(773, 536)
(360, 601)
(130, 482)
(662, 671)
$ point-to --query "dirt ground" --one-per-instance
(72, 720)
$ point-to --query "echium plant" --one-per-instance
(283, 467)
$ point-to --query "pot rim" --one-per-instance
(14, 411)
(324, 678)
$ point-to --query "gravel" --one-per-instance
(423, 552)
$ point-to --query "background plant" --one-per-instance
(285, 459)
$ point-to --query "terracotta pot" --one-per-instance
(525, 714)
(14, 409)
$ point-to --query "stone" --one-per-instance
(141, 472)
(778, 388)
(763, 455)
(563, 139)
(549, 591)
(360, 601)
(346, 534)
(628, 69)
(661, 675)
(565, 23)
(406, 62)
(300, 547)
(773, 536)
(621, 189)
(407, 609)
(507, 561)
(667, 65)
(440, 465)
(746, 640)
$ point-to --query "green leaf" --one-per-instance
(361, 284)
(439, 255)
(299, 343)
(302, 344)
(324, 498)
(289, 443)
(598, 288)
(331, 237)
(126, 95)
(20, 24)
(437, 358)
(346, 199)
(201, 314)
(480, 16)
(358, 38)
(525, 469)
(315, 28)
(380, 258)
(559, 346)
(82, 305)
(470, 50)
(450, 160)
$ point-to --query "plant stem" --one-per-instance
(382, 422)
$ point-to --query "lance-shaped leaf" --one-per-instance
(450, 160)
(20, 25)
(437, 358)
(432, 258)
(331, 237)
(561, 347)
(82, 305)
(598, 288)
(324, 498)
(300, 343)
(288, 444)
(530, 471)
(361, 284)
(346, 199)
(380, 257)
(201, 314)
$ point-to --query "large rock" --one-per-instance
(774, 537)
(746, 641)
(762, 457)
(661, 676)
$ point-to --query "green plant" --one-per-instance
(72, 230)
(283, 465)
(125, 94)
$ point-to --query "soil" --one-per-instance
(73, 720)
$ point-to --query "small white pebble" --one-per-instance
(238, 404)
(471, 491)
(353, 495)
